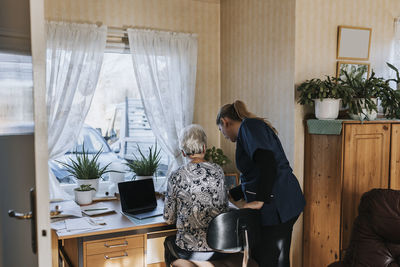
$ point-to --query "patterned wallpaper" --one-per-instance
(194, 16)
(258, 66)
(257, 62)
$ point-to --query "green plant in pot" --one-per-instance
(86, 169)
(217, 156)
(390, 102)
(144, 167)
(364, 92)
(83, 194)
(324, 94)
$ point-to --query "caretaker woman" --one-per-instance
(267, 181)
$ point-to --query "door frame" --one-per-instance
(38, 48)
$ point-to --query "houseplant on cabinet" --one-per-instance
(86, 169)
(364, 92)
(83, 194)
(145, 166)
(324, 94)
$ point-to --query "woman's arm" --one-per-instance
(170, 202)
(264, 160)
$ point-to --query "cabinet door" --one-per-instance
(322, 189)
(365, 166)
(395, 158)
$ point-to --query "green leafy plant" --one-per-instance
(84, 167)
(217, 156)
(320, 89)
(84, 187)
(363, 91)
(390, 102)
(145, 166)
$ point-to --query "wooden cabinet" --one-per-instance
(125, 250)
(338, 170)
(120, 251)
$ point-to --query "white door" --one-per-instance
(23, 148)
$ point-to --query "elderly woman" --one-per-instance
(195, 194)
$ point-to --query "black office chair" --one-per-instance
(235, 231)
(229, 232)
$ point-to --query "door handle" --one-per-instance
(21, 216)
(31, 215)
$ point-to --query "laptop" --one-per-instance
(138, 199)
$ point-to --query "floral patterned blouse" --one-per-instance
(195, 194)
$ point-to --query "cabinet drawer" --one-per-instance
(128, 257)
(113, 244)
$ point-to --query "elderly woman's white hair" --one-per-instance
(193, 139)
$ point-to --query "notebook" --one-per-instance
(138, 199)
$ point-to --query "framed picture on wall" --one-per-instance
(231, 180)
(352, 69)
(353, 43)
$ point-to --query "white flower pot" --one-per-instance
(83, 197)
(369, 114)
(92, 182)
(327, 109)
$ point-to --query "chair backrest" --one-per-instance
(225, 232)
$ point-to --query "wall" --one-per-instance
(257, 62)
(194, 16)
(316, 39)
(257, 66)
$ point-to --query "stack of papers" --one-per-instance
(78, 225)
(67, 208)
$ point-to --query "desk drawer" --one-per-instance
(113, 244)
(130, 257)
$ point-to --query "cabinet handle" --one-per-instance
(385, 127)
(115, 257)
(117, 245)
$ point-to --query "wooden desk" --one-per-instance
(121, 241)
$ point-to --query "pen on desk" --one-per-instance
(95, 209)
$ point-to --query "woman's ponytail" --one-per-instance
(238, 112)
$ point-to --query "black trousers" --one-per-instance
(272, 249)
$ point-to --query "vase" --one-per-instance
(83, 197)
(327, 108)
(92, 182)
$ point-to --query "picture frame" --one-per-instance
(354, 43)
(231, 180)
(352, 68)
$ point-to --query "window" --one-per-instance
(16, 99)
(117, 113)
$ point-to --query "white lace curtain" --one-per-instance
(74, 57)
(165, 68)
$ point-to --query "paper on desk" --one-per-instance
(81, 224)
(68, 208)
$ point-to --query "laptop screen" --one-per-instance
(137, 195)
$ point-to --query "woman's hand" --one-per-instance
(255, 205)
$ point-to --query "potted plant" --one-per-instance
(86, 170)
(364, 92)
(325, 95)
(145, 166)
(390, 102)
(397, 80)
(217, 156)
(83, 194)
